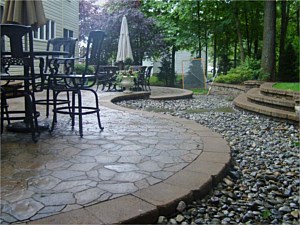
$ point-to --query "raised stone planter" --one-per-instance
(233, 89)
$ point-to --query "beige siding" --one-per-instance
(65, 13)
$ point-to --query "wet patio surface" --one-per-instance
(63, 172)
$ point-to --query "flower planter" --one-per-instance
(127, 83)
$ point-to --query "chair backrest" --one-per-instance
(148, 71)
(20, 52)
(142, 71)
(93, 50)
(21, 45)
(135, 68)
(110, 70)
(62, 44)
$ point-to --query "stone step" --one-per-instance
(267, 89)
(243, 102)
(253, 84)
(255, 95)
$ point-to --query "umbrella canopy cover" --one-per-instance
(124, 47)
(24, 12)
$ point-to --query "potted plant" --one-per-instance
(125, 79)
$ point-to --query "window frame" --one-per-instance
(45, 32)
(68, 33)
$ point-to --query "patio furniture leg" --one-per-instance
(73, 109)
(80, 113)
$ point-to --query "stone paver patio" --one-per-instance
(142, 164)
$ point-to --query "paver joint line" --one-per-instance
(118, 164)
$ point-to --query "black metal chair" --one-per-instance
(147, 77)
(54, 63)
(77, 83)
(107, 77)
(17, 65)
(66, 44)
(140, 80)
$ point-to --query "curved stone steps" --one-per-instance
(267, 89)
(242, 101)
(256, 96)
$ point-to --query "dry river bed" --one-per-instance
(262, 187)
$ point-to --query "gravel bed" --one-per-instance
(262, 187)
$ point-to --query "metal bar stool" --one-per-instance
(78, 83)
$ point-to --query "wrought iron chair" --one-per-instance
(147, 77)
(107, 77)
(77, 83)
(17, 65)
(140, 80)
(54, 63)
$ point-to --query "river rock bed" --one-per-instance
(262, 186)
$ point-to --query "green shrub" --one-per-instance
(166, 74)
(231, 79)
(250, 70)
(155, 82)
(264, 76)
(79, 68)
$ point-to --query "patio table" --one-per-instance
(22, 126)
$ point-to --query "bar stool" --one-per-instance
(65, 63)
(79, 83)
(17, 65)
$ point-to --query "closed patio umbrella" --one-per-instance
(24, 12)
(124, 47)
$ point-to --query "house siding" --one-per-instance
(65, 13)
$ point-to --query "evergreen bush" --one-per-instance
(79, 68)
(250, 70)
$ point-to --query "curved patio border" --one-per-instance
(145, 205)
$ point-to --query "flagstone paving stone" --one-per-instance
(63, 172)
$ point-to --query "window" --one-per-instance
(68, 33)
(1, 12)
(2, 41)
(45, 32)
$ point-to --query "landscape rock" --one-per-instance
(263, 185)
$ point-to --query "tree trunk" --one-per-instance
(206, 52)
(269, 35)
(284, 25)
(215, 56)
(248, 35)
(235, 50)
(298, 22)
(171, 83)
(239, 34)
(255, 54)
(199, 29)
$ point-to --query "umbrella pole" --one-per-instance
(121, 65)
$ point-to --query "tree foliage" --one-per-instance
(146, 39)
(166, 75)
(88, 13)
(231, 30)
